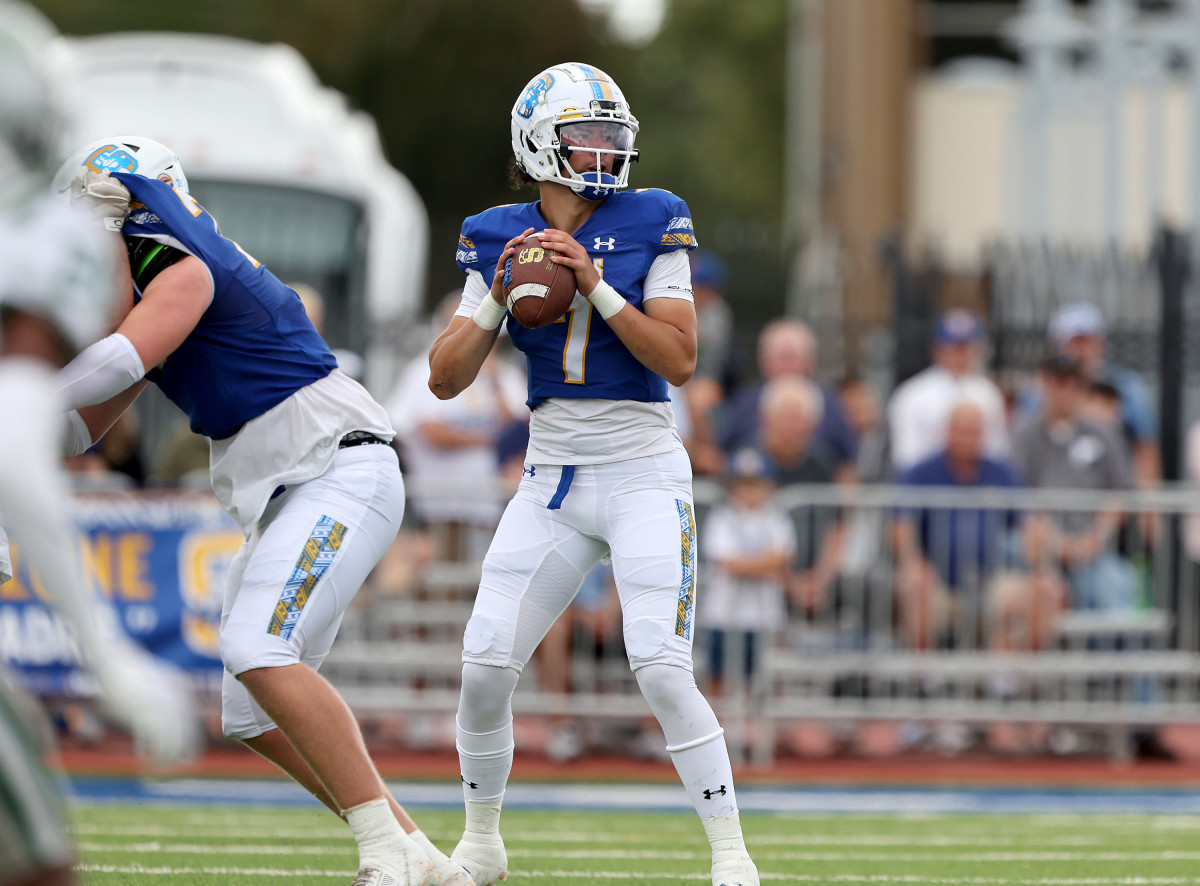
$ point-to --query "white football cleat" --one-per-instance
(483, 857)
(451, 873)
(371, 876)
(737, 871)
(412, 870)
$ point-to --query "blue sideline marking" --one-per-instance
(665, 797)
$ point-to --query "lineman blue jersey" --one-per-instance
(579, 356)
(253, 348)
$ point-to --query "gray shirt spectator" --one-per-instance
(1078, 454)
(1061, 448)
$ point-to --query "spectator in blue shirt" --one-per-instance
(958, 567)
(787, 347)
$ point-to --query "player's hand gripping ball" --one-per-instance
(537, 291)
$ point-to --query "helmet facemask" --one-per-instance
(596, 140)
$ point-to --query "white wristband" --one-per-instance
(489, 314)
(606, 300)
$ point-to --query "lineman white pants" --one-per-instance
(294, 577)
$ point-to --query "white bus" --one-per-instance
(287, 167)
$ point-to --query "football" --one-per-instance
(537, 291)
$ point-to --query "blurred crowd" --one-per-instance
(964, 575)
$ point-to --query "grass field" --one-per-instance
(222, 846)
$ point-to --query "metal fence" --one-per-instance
(946, 606)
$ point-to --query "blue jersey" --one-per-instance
(962, 542)
(253, 348)
(579, 356)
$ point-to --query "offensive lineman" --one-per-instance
(56, 292)
(606, 472)
(299, 456)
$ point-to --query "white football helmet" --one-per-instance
(31, 98)
(123, 153)
(573, 108)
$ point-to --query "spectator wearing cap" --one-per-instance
(919, 408)
(1062, 447)
(787, 348)
(1077, 329)
(749, 543)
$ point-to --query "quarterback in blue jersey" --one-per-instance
(606, 473)
(294, 460)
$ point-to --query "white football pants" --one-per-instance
(294, 577)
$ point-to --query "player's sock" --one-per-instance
(485, 768)
(694, 738)
(383, 845)
(707, 775)
(450, 873)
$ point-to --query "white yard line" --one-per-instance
(652, 855)
(830, 840)
(164, 871)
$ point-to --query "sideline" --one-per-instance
(790, 800)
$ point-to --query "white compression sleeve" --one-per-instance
(99, 372)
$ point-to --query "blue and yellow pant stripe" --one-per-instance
(315, 559)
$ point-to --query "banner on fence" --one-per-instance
(159, 558)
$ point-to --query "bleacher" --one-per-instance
(846, 660)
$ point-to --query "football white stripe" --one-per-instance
(702, 877)
(654, 855)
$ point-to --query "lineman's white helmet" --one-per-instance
(574, 99)
(123, 153)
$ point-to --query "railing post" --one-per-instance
(1171, 259)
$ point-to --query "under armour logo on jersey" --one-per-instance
(708, 795)
(473, 786)
(608, 244)
(528, 472)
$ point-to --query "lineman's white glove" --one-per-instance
(102, 197)
(152, 700)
